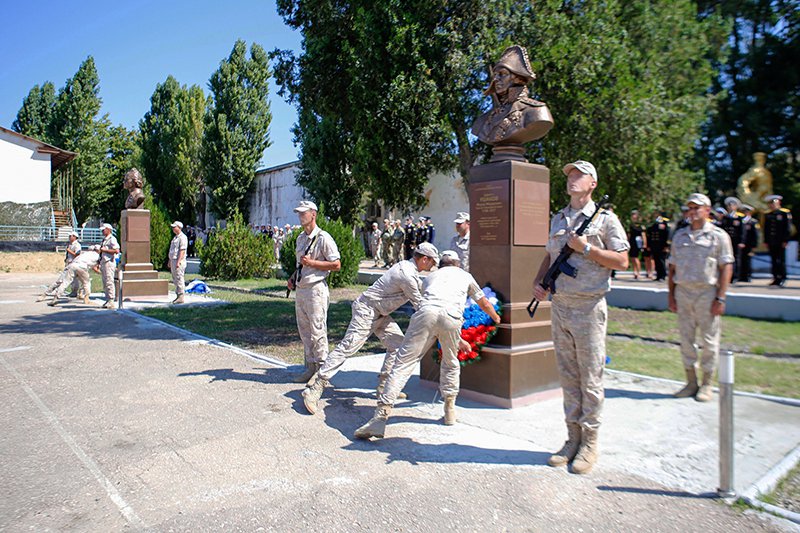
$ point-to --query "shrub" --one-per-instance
(350, 249)
(236, 253)
(160, 233)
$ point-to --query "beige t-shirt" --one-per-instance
(449, 287)
(605, 233)
(323, 249)
(399, 285)
(460, 245)
(698, 254)
(178, 243)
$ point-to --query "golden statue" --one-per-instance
(755, 184)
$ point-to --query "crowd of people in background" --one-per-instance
(394, 241)
(650, 243)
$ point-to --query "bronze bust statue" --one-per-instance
(515, 118)
(133, 183)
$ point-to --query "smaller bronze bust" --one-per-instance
(515, 118)
(133, 183)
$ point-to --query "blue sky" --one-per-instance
(136, 44)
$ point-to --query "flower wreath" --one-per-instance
(478, 329)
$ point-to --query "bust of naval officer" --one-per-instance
(515, 117)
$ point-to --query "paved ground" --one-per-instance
(109, 421)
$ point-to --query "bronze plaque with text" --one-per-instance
(490, 212)
(531, 213)
(138, 229)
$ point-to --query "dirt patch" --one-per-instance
(50, 262)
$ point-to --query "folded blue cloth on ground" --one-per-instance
(198, 287)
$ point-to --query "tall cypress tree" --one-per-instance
(236, 127)
(76, 127)
(35, 117)
(171, 140)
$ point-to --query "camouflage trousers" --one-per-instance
(74, 278)
(311, 309)
(427, 324)
(178, 271)
(364, 323)
(694, 313)
(579, 336)
(107, 270)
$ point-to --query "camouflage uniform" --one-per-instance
(75, 248)
(311, 303)
(108, 266)
(579, 313)
(386, 246)
(372, 314)
(398, 236)
(697, 257)
(440, 315)
(375, 244)
(460, 245)
(178, 243)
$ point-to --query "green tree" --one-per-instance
(236, 127)
(76, 127)
(123, 153)
(403, 85)
(171, 141)
(160, 232)
(35, 117)
(760, 105)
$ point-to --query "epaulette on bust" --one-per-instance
(785, 210)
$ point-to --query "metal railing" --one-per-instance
(44, 233)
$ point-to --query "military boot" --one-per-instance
(53, 302)
(382, 383)
(178, 299)
(705, 393)
(86, 299)
(570, 449)
(588, 452)
(312, 394)
(307, 374)
(377, 424)
(450, 410)
(690, 389)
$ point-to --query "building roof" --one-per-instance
(58, 156)
(278, 167)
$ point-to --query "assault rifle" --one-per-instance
(560, 265)
(295, 277)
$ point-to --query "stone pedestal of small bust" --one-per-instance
(139, 278)
(509, 226)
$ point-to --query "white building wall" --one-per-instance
(275, 195)
(446, 196)
(24, 173)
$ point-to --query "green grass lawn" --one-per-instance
(753, 373)
(265, 322)
(738, 334)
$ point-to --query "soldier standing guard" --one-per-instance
(375, 243)
(109, 249)
(386, 243)
(777, 229)
(317, 256)
(579, 311)
(700, 267)
(460, 241)
(398, 236)
(177, 259)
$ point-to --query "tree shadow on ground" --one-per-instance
(658, 492)
(266, 375)
(410, 451)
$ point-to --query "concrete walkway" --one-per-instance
(111, 421)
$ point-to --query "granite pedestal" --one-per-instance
(139, 278)
(510, 218)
